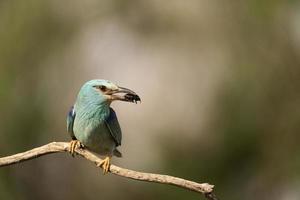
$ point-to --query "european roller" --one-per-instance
(93, 124)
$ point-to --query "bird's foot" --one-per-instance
(74, 144)
(105, 164)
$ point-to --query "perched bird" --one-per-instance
(93, 124)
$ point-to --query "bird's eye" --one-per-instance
(102, 88)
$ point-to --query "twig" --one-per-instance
(56, 147)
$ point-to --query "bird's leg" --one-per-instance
(73, 145)
(105, 164)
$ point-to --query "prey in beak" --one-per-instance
(124, 94)
(113, 92)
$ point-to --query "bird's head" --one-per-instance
(104, 91)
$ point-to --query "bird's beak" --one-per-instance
(124, 94)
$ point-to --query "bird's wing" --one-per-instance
(114, 127)
(70, 122)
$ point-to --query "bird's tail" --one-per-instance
(117, 153)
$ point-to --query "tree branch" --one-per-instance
(56, 147)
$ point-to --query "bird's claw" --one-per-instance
(74, 144)
(105, 164)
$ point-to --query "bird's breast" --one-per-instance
(94, 134)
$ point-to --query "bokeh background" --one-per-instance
(219, 82)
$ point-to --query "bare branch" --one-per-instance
(56, 147)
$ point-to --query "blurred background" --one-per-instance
(219, 83)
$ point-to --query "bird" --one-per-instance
(93, 124)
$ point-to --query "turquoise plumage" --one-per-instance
(93, 123)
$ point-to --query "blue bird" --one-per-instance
(93, 124)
